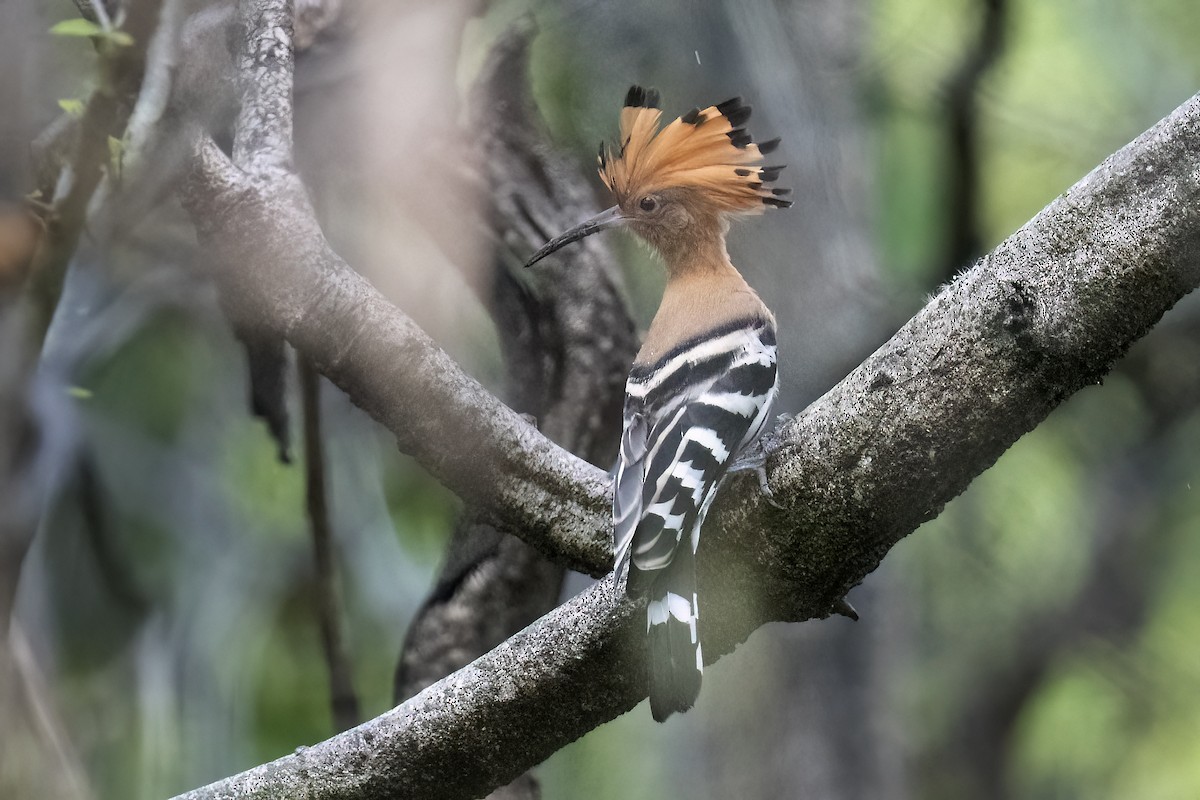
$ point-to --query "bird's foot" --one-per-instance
(754, 459)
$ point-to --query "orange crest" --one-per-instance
(708, 150)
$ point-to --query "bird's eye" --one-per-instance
(648, 204)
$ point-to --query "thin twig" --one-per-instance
(102, 18)
(105, 115)
(964, 240)
(329, 607)
(49, 725)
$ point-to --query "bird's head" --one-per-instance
(678, 185)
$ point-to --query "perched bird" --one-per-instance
(701, 388)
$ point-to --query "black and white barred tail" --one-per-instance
(676, 662)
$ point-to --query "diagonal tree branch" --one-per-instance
(392, 369)
(366, 346)
(1042, 316)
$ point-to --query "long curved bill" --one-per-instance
(605, 219)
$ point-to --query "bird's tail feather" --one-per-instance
(675, 661)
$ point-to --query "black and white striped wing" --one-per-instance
(686, 419)
(627, 486)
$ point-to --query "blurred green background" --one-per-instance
(1037, 640)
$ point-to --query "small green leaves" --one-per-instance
(72, 106)
(77, 27)
(83, 27)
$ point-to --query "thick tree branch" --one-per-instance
(1042, 316)
(1045, 314)
(373, 352)
(392, 369)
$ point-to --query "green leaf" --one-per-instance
(77, 27)
(83, 27)
(72, 106)
(119, 38)
(79, 393)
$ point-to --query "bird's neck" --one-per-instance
(704, 292)
(694, 250)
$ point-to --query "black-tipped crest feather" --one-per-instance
(729, 105)
(707, 150)
(637, 97)
(738, 116)
(768, 147)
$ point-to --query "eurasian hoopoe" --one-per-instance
(701, 388)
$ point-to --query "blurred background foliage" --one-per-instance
(1039, 637)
